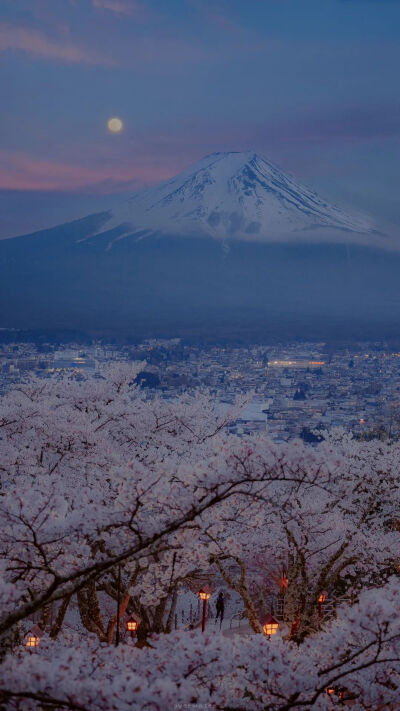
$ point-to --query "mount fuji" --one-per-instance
(239, 196)
(230, 248)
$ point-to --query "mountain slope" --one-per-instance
(190, 287)
(240, 196)
(194, 270)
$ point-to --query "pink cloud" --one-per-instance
(112, 165)
(24, 39)
(24, 171)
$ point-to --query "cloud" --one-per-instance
(31, 41)
(356, 123)
(105, 166)
(25, 171)
(120, 7)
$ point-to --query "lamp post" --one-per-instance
(33, 637)
(118, 605)
(132, 625)
(295, 626)
(204, 594)
(270, 625)
(283, 583)
(321, 600)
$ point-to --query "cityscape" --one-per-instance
(290, 389)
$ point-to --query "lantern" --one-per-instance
(32, 640)
(33, 637)
(204, 594)
(270, 625)
(132, 625)
(321, 600)
(330, 690)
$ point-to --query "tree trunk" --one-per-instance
(159, 613)
(55, 630)
(89, 610)
(45, 616)
(113, 620)
(171, 614)
(242, 590)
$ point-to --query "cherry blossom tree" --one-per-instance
(356, 658)
(102, 484)
(335, 533)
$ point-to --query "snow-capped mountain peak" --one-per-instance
(239, 195)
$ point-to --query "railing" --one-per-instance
(275, 603)
(241, 615)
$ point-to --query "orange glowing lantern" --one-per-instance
(330, 691)
(132, 625)
(32, 641)
(270, 625)
(204, 594)
(321, 600)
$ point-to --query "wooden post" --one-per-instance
(118, 605)
(203, 622)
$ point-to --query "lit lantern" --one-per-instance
(132, 625)
(321, 600)
(330, 691)
(270, 625)
(32, 640)
(204, 594)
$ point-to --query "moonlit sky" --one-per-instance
(311, 84)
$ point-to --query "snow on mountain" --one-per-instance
(239, 196)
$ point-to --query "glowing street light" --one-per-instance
(32, 641)
(321, 600)
(270, 625)
(33, 637)
(204, 594)
(132, 625)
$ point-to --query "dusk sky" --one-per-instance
(311, 84)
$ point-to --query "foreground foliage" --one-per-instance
(98, 479)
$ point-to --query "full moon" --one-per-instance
(115, 125)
